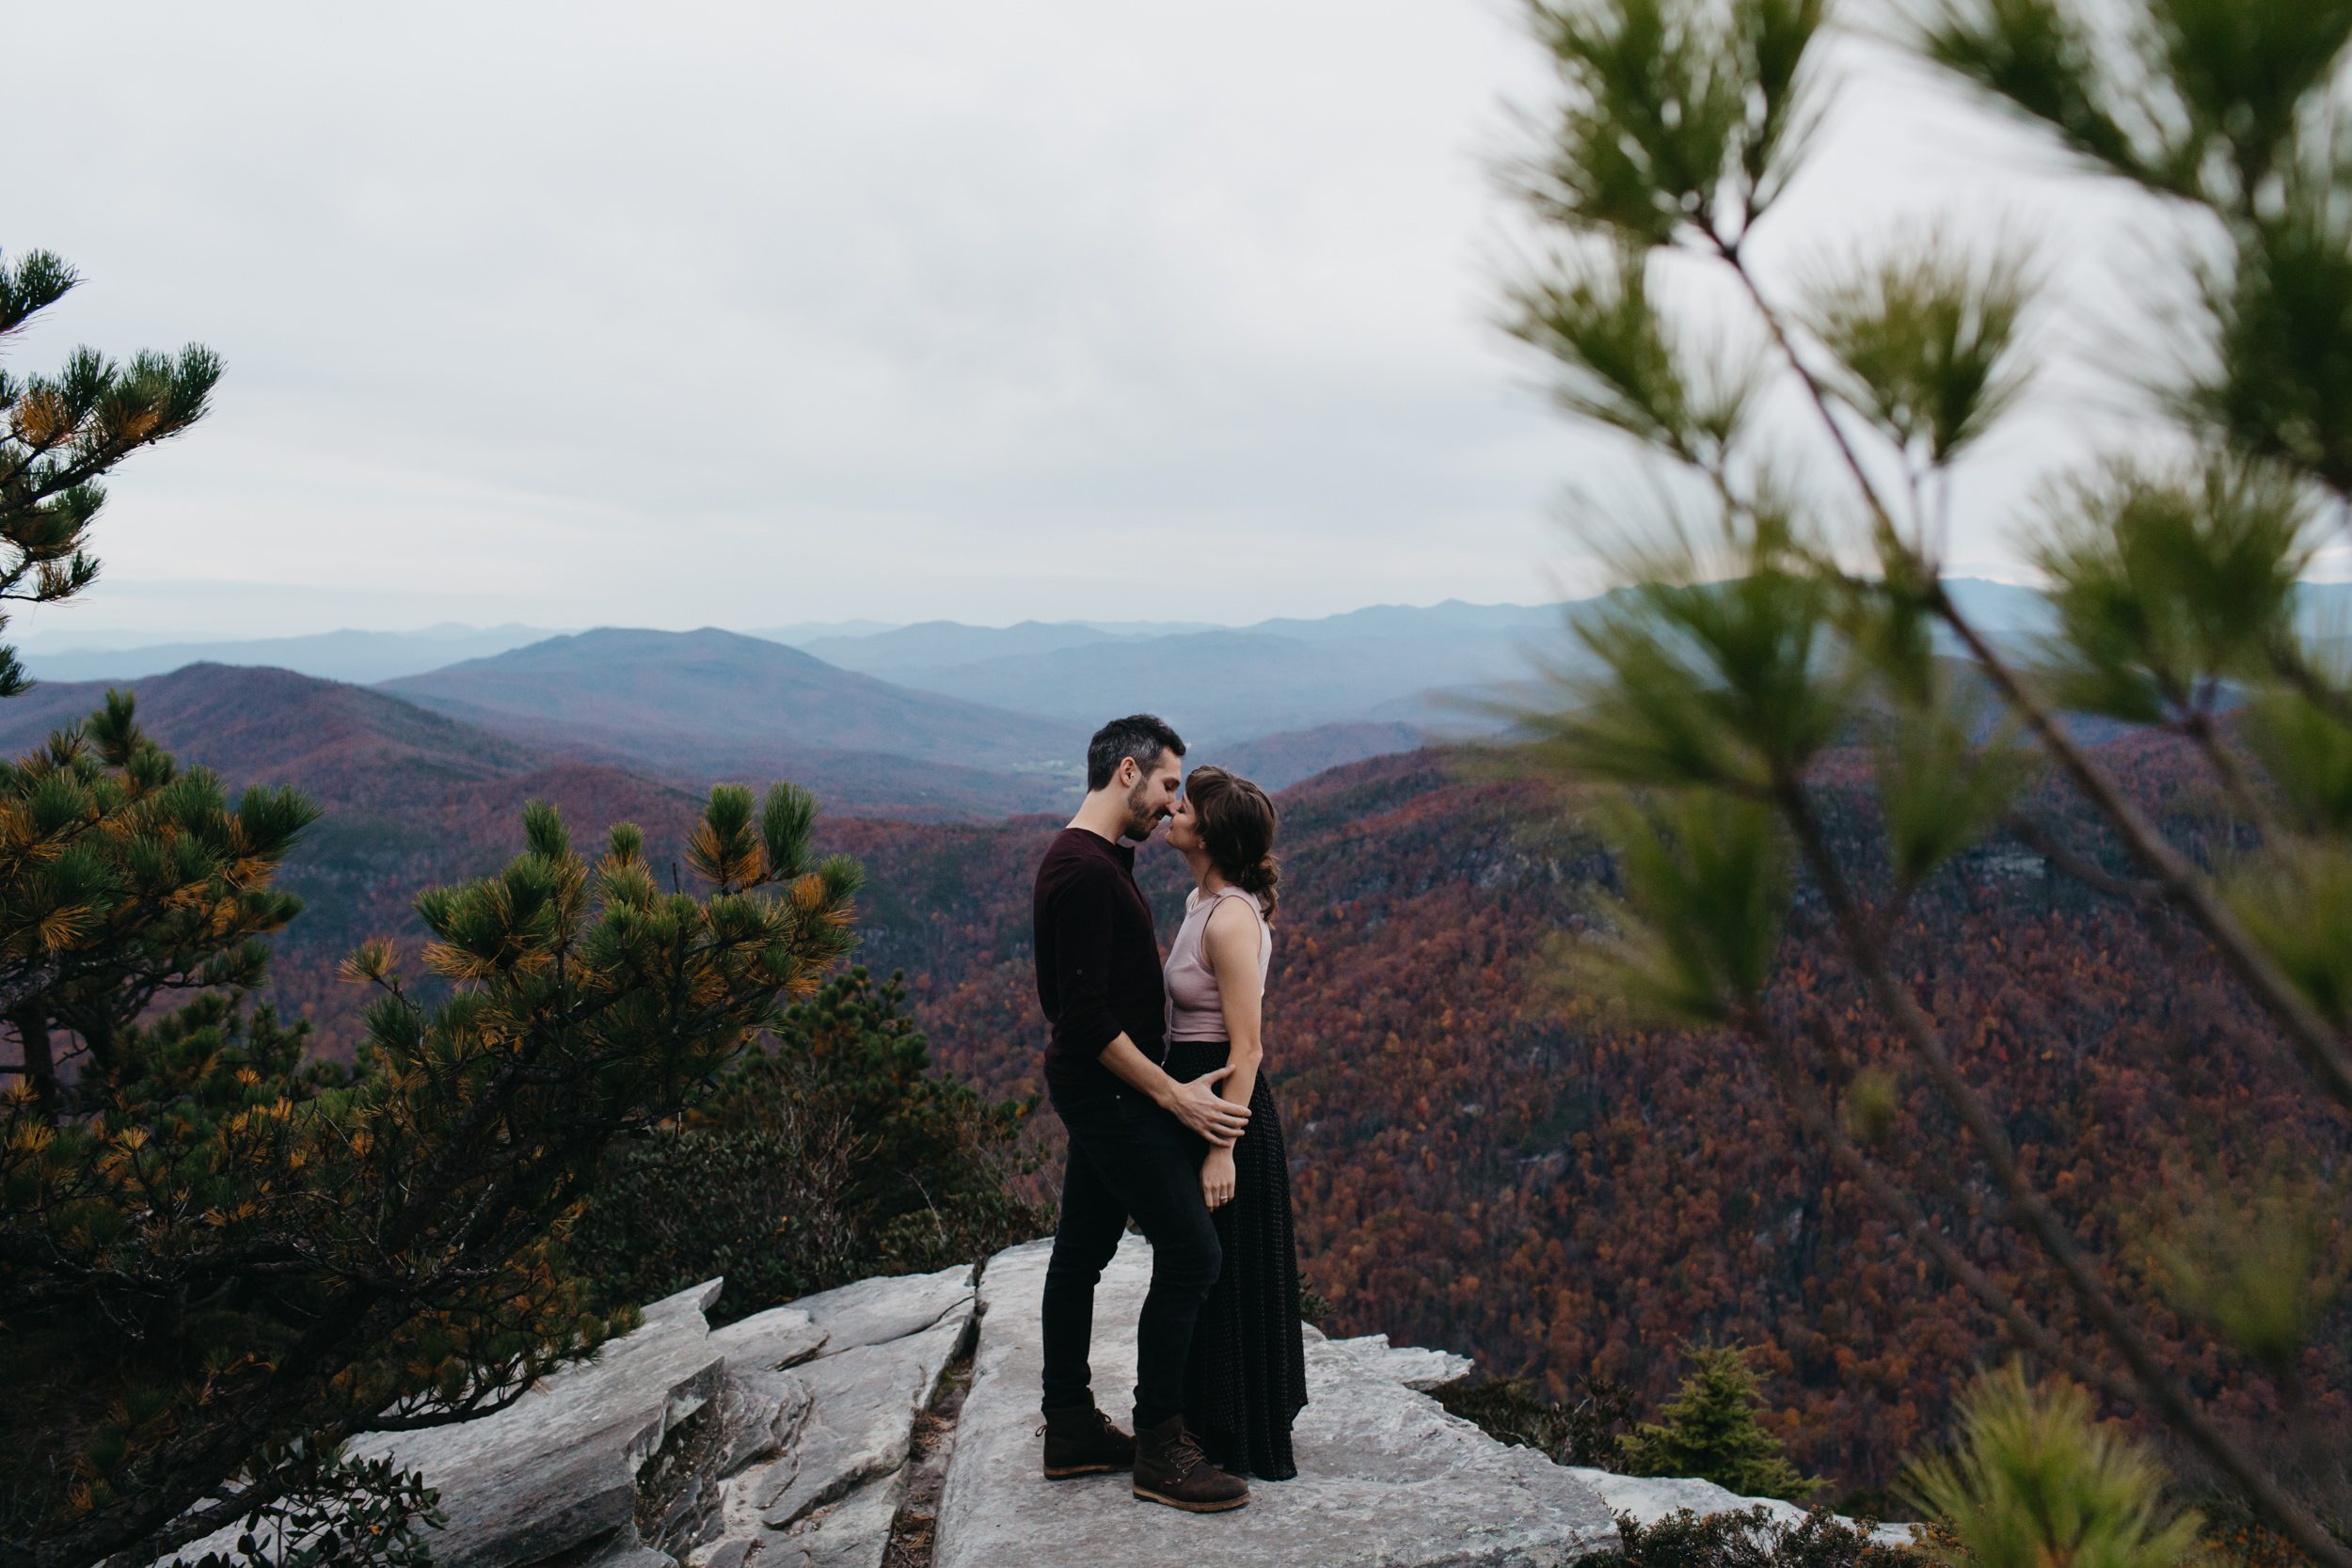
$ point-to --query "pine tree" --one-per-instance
(123, 878)
(832, 1153)
(1710, 1429)
(1790, 600)
(61, 434)
(85, 878)
(218, 1261)
(303, 1252)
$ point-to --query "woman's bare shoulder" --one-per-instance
(1235, 923)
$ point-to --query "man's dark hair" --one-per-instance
(1140, 736)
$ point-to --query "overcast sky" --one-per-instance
(575, 314)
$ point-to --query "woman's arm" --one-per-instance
(1231, 946)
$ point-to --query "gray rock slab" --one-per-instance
(827, 1495)
(765, 1410)
(623, 1554)
(559, 1466)
(778, 1338)
(1416, 1369)
(1387, 1478)
(851, 1531)
(861, 1409)
(888, 1307)
(695, 1303)
(1650, 1499)
(556, 1471)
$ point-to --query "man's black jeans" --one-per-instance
(1128, 1158)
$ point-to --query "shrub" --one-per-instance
(1590, 1432)
(1752, 1539)
(2035, 1479)
(834, 1154)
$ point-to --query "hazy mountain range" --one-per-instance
(337, 655)
(938, 720)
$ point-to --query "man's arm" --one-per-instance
(1082, 911)
(1082, 914)
(1194, 1102)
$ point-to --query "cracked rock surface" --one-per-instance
(776, 1442)
(1385, 1477)
(783, 1441)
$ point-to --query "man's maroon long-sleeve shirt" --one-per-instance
(1097, 962)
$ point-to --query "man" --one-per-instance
(1136, 1135)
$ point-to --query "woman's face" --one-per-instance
(1183, 828)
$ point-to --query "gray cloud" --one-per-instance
(743, 315)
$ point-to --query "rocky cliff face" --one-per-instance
(893, 1420)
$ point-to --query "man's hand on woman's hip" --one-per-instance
(1203, 1111)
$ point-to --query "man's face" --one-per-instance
(1152, 796)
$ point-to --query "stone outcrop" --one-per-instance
(1386, 1475)
(1650, 1499)
(784, 1441)
(779, 1440)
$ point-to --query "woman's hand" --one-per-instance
(1216, 1178)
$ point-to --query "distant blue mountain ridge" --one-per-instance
(1004, 709)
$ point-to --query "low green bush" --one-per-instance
(1589, 1431)
(1752, 1539)
(833, 1155)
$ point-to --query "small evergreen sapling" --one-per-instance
(1710, 1429)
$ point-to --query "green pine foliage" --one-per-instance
(1753, 1539)
(222, 1262)
(61, 434)
(123, 878)
(1710, 1429)
(1769, 632)
(2035, 1477)
(833, 1155)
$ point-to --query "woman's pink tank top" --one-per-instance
(1195, 1009)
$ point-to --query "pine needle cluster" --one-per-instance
(1788, 599)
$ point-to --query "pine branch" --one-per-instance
(2322, 1053)
(2081, 869)
(2041, 1222)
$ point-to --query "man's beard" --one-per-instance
(1141, 818)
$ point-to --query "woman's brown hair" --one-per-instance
(1237, 824)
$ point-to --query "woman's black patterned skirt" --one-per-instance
(1246, 1379)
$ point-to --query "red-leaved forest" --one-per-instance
(1487, 1161)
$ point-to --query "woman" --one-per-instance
(1246, 1379)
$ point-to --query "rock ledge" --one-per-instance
(1386, 1475)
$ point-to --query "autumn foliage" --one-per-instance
(1492, 1163)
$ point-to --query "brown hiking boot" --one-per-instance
(1081, 1441)
(1170, 1469)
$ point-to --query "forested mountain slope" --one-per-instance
(1487, 1162)
(1484, 1160)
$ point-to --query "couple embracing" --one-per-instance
(1157, 1071)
